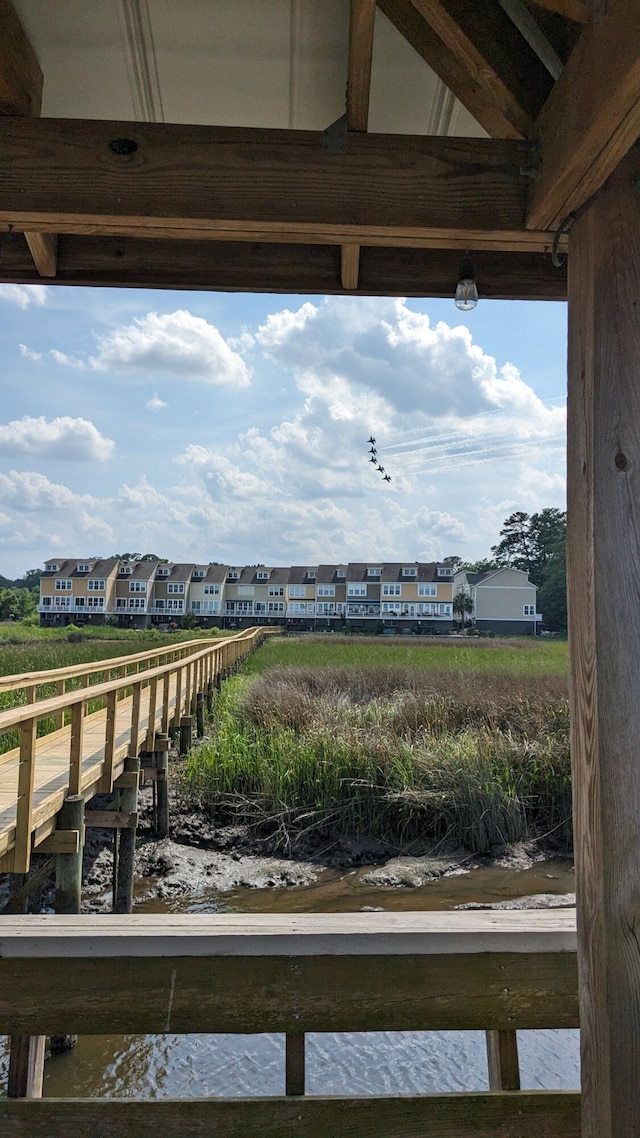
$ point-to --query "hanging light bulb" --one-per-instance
(466, 292)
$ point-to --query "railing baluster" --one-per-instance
(294, 1063)
(75, 754)
(135, 718)
(151, 726)
(58, 718)
(502, 1056)
(106, 785)
(24, 809)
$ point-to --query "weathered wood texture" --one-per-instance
(362, 15)
(604, 619)
(69, 865)
(532, 1115)
(21, 78)
(44, 250)
(501, 77)
(591, 118)
(277, 993)
(502, 1059)
(26, 1067)
(260, 267)
(60, 175)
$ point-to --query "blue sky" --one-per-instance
(231, 427)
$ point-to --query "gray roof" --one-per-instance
(100, 566)
(328, 574)
(299, 574)
(215, 574)
(426, 571)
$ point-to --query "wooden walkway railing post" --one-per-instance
(161, 759)
(69, 864)
(24, 810)
(502, 1056)
(77, 734)
(294, 1063)
(126, 840)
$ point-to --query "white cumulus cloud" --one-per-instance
(24, 295)
(177, 343)
(155, 403)
(71, 440)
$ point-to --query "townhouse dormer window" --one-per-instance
(262, 575)
(233, 575)
(312, 574)
(52, 566)
(163, 571)
(126, 569)
(445, 571)
(83, 567)
(198, 573)
(374, 572)
(341, 573)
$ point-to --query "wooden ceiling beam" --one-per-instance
(21, 78)
(580, 11)
(480, 56)
(362, 17)
(21, 83)
(243, 266)
(63, 175)
(591, 119)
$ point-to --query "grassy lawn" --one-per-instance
(456, 741)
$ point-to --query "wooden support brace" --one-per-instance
(502, 1056)
(31, 885)
(44, 250)
(349, 266)
(294, 1063)
(61, 842)
(127, 780)
(26, 1066)
(111, 819)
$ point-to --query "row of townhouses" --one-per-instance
(415, 597)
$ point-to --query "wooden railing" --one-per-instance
(145, 696)
(495, 971)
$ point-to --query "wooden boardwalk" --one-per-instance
(151, 692)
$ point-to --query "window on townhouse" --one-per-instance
(63, 585)
(427, 609)
(52, 567)
(244, 607)
(137, 602)
(212, 590)
(96, 585)
(445, 571)
(195, 606)
(374, 572)
(297, 591)
(163, 571)
(389, 607)
(326, 590)
(276, 590)
(175, 606)
(341, 572)
(262, 575)
(233, 575)
(94, 602)
(392, 590)
(83, 567)
(126, 569)
(137, 586)
(211, 607)
(427, 590)
(445, 610)
(312, 574)
(260, 607)
(79, 602)
(63, 602)
(45, 602)
(354, 589)
(409, 571)
(275, 608)
(299, 608)
(175, 587)
(121, 603)
(198, 573)
(528, 610)
(160, 605)
(325, 608)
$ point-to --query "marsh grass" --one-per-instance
(407, 754)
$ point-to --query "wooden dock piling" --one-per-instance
(126, 841)
(161, 758)
(69, 862)
(200, 714)
(186, 734)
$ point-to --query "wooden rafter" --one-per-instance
(361, 24)
(591, 118)
(63, 176)
(21, 78)
(480, 56)
(362, 16)
(251, 267)
(580, 11)
(21, 83)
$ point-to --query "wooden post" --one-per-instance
(200, 714)
(135, 719)
(26, 773)
(128, 804)
(294, 1063)
(151, 722)
(502, 1056)
(209, 696)
(58, 718)
(106, 784)
(26, 1066)
(75, 757)
(161, 760)
(186, 734)
(69, 865)
(166, 682)
(177, 711)
(604, 626)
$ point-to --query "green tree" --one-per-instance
(552, 594)
(482, 566)
(462, 604)
(16, 603)
(455, 562)
(531, 543)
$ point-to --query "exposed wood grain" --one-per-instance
(476, 991)
(287, 268)
(530, 1115)
(76, 750)
(44, 250)
(60, 174)
(502, 1058)
(362, 15)
(69, 864)
(26, 1066)
(604, 576)
(591, 118)
(61, 842)
(24, 808)
(21, 77)
(349, 266)
(110, 820)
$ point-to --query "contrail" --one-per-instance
(455, 461)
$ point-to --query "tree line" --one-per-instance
(536, 543)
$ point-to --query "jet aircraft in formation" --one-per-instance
(374, 459)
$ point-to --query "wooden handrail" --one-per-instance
(42, 709)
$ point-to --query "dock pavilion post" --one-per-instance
(604, 628)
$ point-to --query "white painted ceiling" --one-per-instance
(262, 63)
